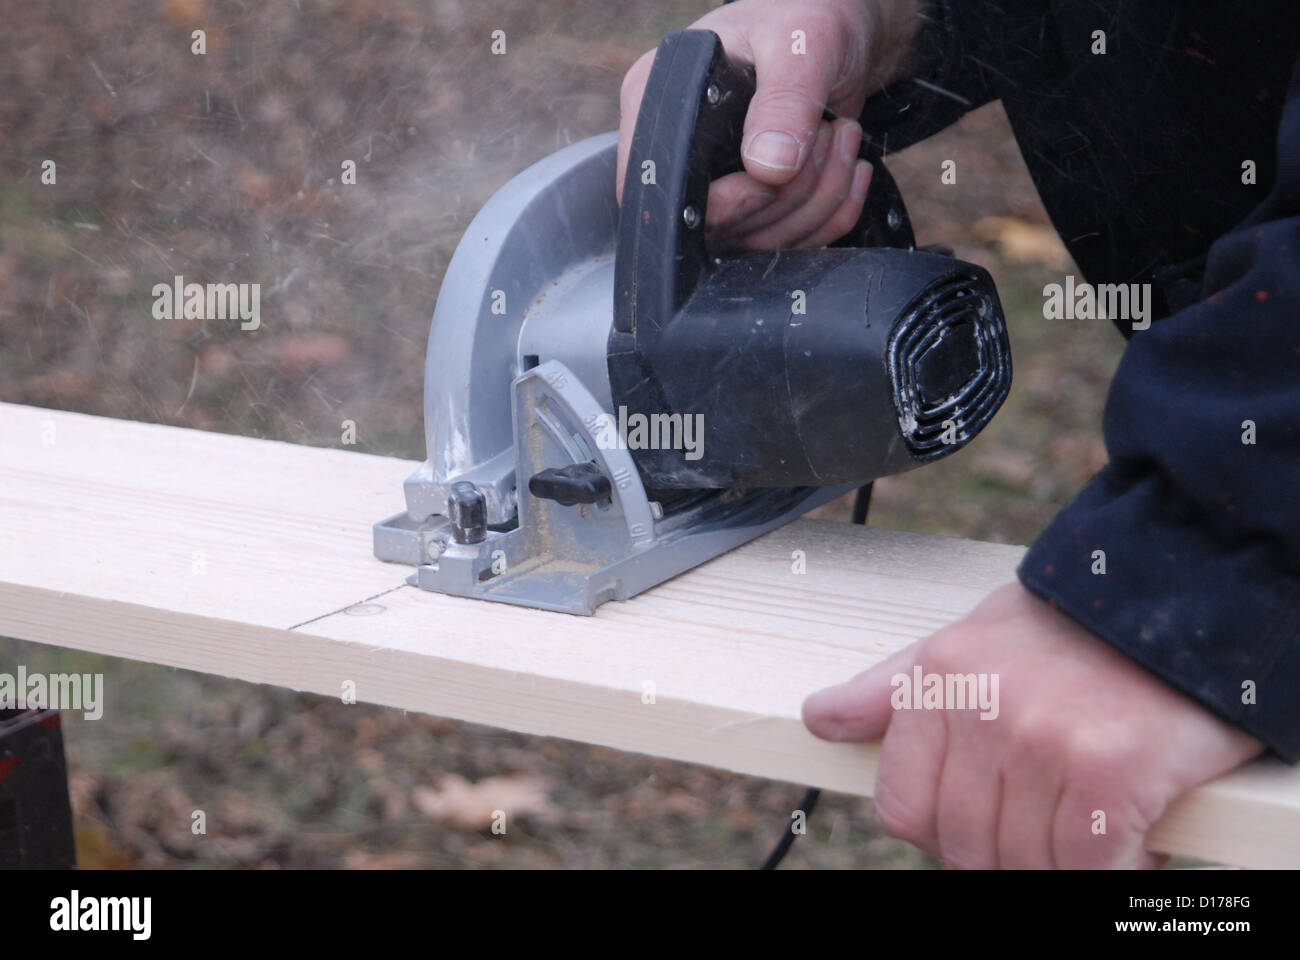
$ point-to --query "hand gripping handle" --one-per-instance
(688, 133)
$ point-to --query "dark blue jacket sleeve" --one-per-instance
(1201, 530)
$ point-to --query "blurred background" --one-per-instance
(226, 167)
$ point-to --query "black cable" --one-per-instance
(783, 845)
(861, 502)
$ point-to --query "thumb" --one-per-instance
(858, 709)
(786, 111)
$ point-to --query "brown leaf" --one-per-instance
(472, 806)
(1023, 242)
(388, 860)
(299, 354)
(186, 13)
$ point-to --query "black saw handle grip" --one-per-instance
(688, 134)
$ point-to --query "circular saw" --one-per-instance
(609, 403)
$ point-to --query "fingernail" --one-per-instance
(823, 145)
(850, 140)
(774, 149)
(861, 180)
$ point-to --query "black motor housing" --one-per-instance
(887, 347)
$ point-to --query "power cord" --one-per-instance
(861, 503)
(783, 845)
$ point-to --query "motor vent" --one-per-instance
(949, 363)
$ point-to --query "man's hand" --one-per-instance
(1080, 728)
(803, 184)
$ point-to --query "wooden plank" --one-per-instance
(251, 559)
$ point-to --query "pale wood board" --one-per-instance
(252, 559)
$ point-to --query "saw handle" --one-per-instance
(688, 133)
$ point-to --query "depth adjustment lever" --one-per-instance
(574, 484)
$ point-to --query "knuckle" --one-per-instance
(822, 25)
(835, 41)
(899, 818)
(944, 651)
(1092, 749)
(1037, 740)
(1099, 755)
(789, 103)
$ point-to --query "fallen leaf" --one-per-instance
(188, 13)
(299, 354)
(472, 806)
(1023, 242)
(388, 860)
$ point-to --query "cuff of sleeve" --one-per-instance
(932, 92)
(1219, 622)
